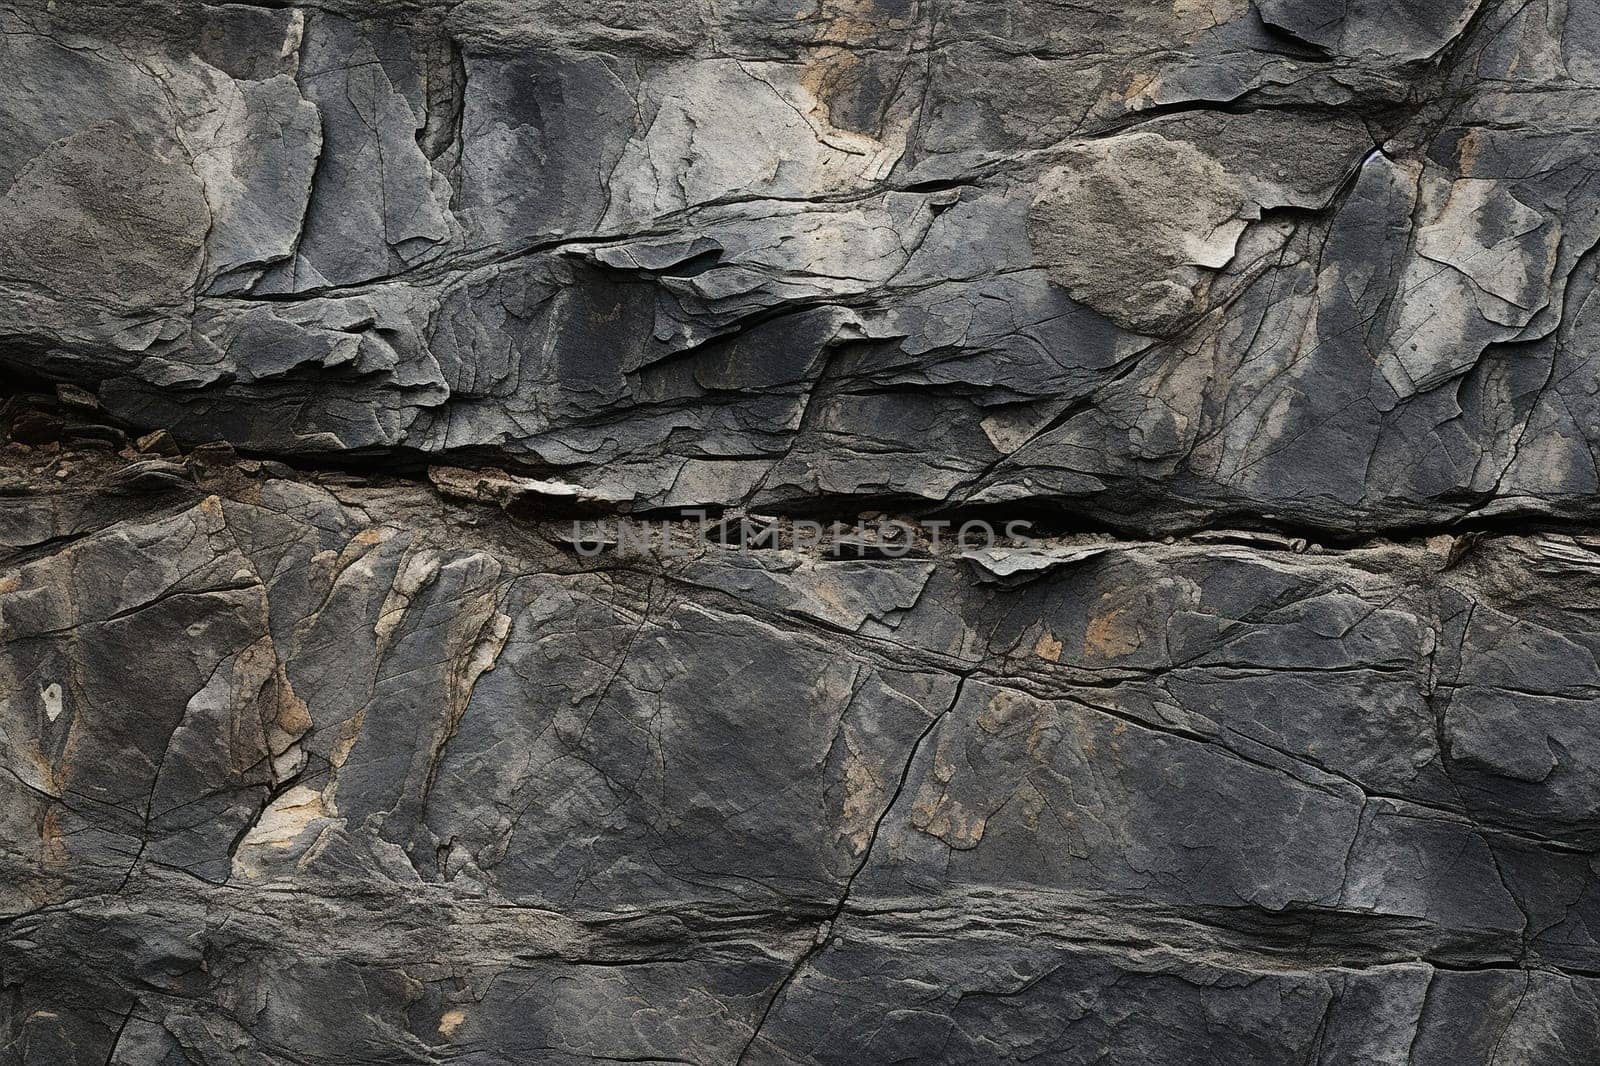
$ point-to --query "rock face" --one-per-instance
(410, 650)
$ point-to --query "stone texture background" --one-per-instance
(321, 741)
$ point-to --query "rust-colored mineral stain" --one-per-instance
(1048, 647)
(835, 72)
(949, 820)
(294, 717)
(52, 842)
(1467, 150)
(864, 793)
(1138, 84)
(1111, 633)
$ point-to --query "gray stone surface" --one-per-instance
(366, 695)
(1151, 265)
(322, 770)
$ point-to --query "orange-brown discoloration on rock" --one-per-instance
(1003, 712)
(349, 733)
(939, 814)
(294, 717)
(1031, 805)
(858, 22)
(52, 842)
(947, 818)
(45, 769)
(829, 596)
(1048, 647)
(851, 85)
(1138, 87)
(828, 78)
(1198, 16)
(1467, 151)
(1112, 632)
(864, 796)
(939, 809)
(1010, 712)
(285, 719)
(250, 703)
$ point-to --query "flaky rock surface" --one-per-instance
(346, 346)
